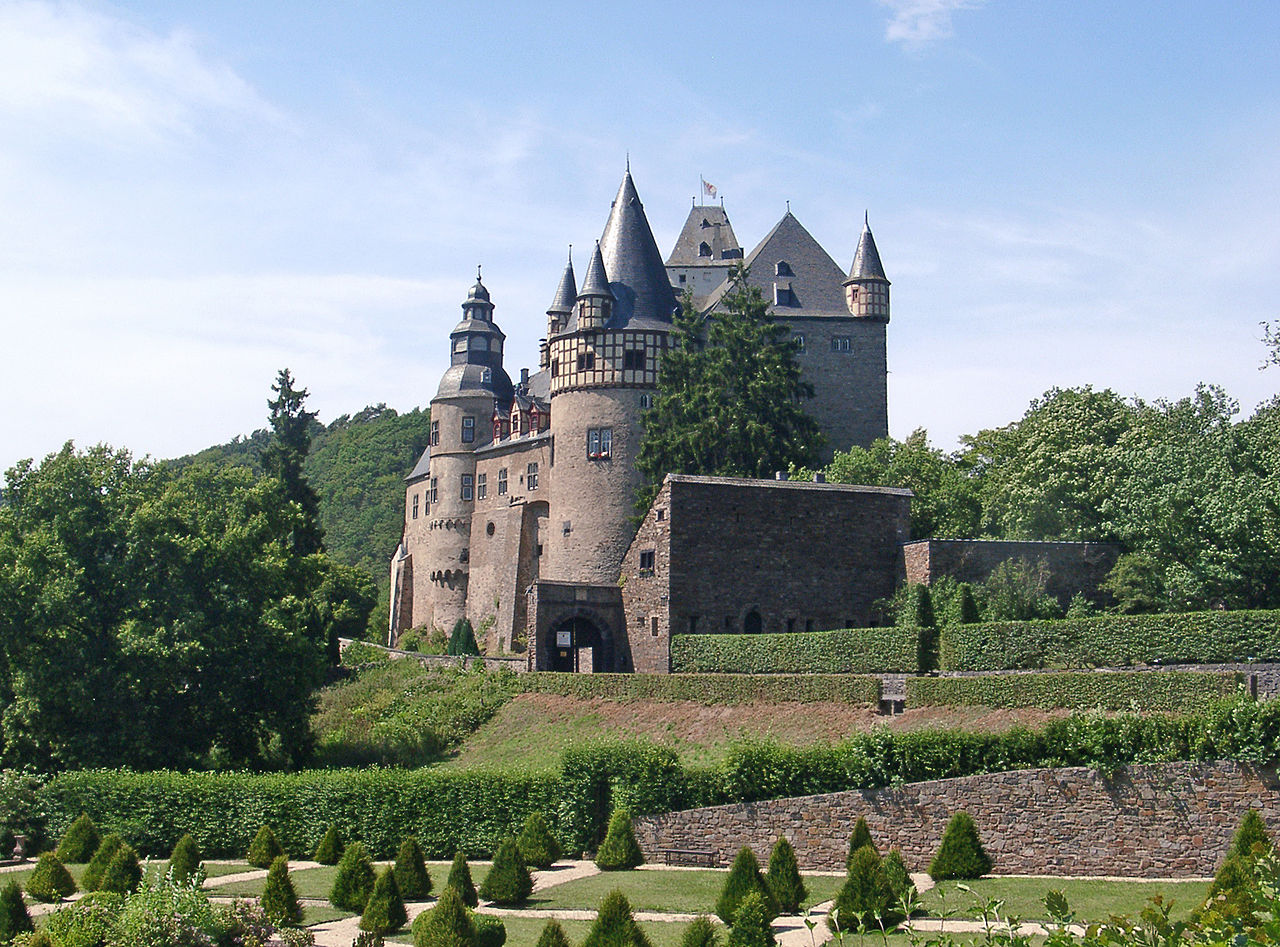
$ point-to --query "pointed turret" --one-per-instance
(866, 259)
(566, 292)
(637, 275)
(596, 299)
(866, 291)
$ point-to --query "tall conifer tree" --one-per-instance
(284, 456)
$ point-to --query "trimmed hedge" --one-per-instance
(716, 688)
(845, 651)
(1113, 641)
(1145, 691)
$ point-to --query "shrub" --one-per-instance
(1234, 889)
(1251, 833)
(1152, 691)
(97, 867)
(80, 841)
(706, 688)
(14, 918)
(614, 925)
(784, 877)
(900, 883)
(490, 931)
(968, 605)
(538, 847)
(185, 859)
(961, 854)
(329, 851)
(89, 921)
(265, 848)
(508, 881)
(751, 924)
(385, 911)
(462, 640)
(619, 850)
(866, 899)
(553, 935)
(355, 879)
(460, 881)
(279, 900)
(448, 924)
(368, 939)
(50, 881)
(123, 874)
(845, 651)
(701, 932)
(744, 877)
(23, 810)
(411, 871)
(242, 924)
(164, 914)
(861, 836)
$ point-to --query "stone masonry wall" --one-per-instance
(1159, 820)
(1073, 567)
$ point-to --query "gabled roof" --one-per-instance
(707, 224)
(866, 259)
(816, 281)
(637, 275)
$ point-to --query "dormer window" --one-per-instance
(782, 295)
(704, 249)
(782, 268)
(486, 377)
(705, 222)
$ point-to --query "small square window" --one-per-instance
(599, 443)
(433, 490)
(482, 486)
(633, 360)
(646, 401)
(468, 487)
(502, 481)
(531, 477)
(661, 513)
(415, 506)
(646, 562)
(586, 361)
(468, 430)
(798, 341)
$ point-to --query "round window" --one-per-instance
(489, 529)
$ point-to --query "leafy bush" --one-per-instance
(448, 924)
(50, 881)
(784, 877)
(385, 911)
(614, 925)
(184, 860)
(1150, 691)
(80, 841)
(961, 854)
(866, 900)
(329, 851)
(411, 871)
(553, 935)
(750, 926)
(164, 914)
(265, 848)
(279, 899)
(490, 931)
(88, 922)
(123, 873)
(242, 924)
(743, 878)
(23, 810)
(619, 850)
(706, 688)
(354, 882)
(701, 932)
(845, 651)
(97, 867)
(368, 939)
(861, 837)
(14, 917)
(538, 847)
(508, 881)
(459, 881)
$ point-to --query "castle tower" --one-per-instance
(604, 369)
(866, 291)
(559, 311)
(461, 422)
(704, 252)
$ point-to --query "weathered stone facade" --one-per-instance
(1159, 820)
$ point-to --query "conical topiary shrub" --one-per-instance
(508, 881)
(1251, 834)
(123, 874)
(865, 900)
(411, 871)
(553, 935)
(538, 847)
(50, 881)
(861, 836)
(968, 605)
(462, 640)
(750, 927)
(744, 877)
(1235, 891)
(184, 861)
(490, 931)
(900, 883)
(460, 881)
(91, 880)
(329, 851)
(355, 879)
(619, 850)
(701, 932)
(961, 854)
(784, 877)
(80, 842)
(265, 848)
(445, 925)
(385, 911)
(614, 925)
(279, 899)
(14, 917)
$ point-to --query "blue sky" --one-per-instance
(193, 195)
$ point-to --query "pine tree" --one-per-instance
(538, 847)
(50, 881)
(866, 898)
(80, 842)
(329, 851)
(861, 837)
(123, 874)
(961, 854)
(14, 917)
(385, 911)
(279, 899)
(619, 850)
(614, 925)
(460, 881)
(411, 871)
(265, 848)
(445, 925)
(508, 881)
(750, 926)
(1251, 833)
(462, 640)
(744, 877)
(284, 456)
(184, 861)
(553, 935)
(355, 879)
(97, 867)
(701, 932)
(784, 877)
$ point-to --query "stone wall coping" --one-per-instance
(786, 484)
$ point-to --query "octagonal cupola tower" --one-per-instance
(604, 369)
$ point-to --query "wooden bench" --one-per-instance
(689, 856)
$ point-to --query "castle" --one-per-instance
(518, 515)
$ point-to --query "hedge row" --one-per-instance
(707, 688)
(1145, 691)
(846, 651)
(1113, 641)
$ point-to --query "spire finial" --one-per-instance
(477, 272)
(571, 253)
(628, 162)
(866, 219)
(788, 207)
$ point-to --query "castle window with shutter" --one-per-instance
(468, 487)
(482, 486)
(502, 481)
(599, 443)
(531, 477)
(468, 430)
(646, 562)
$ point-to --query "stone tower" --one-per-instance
(603, 359)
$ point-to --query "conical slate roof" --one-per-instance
(597, 281)
(566, 292)
(645, 298)
(866, 259)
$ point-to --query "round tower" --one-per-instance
(866, 291)
(603, 364)
(461, 422)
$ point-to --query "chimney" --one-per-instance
(524, 377)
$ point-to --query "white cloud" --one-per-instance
(917, 23)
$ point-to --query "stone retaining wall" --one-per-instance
(1160, 820)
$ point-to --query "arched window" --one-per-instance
(783, 268)
(752, 624)
(704, 249)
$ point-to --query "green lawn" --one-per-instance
(318, 882)
(679, 892)
(1089, 900)
(524, 932)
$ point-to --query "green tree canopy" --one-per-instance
(285, 454)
